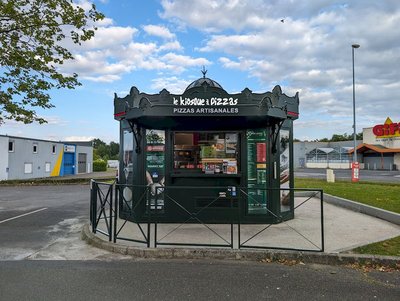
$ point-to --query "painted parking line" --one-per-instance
(25, 214)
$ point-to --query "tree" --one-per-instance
(104, 151)
(114, 150)
(97, 142)
(32, 38)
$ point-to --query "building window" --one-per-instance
(35, 148)
(210, 152)
(47, 166)
(28, 168)
(53, 148)
(11, 146)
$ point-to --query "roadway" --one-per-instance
(43, 258)
(190, 280)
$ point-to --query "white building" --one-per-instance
(26, 158)
(379, 149)
(381, 146)
(323, 154)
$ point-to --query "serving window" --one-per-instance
(207, 152)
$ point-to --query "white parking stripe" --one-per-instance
(11, 218)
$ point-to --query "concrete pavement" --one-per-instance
(344, 230)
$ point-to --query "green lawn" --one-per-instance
(381, 195)
(390, 247)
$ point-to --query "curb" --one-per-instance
(358, 207)
(242, 254)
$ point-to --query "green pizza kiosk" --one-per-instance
(206, 153)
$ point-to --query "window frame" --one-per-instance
(45, 167)
(35, 144)
(11, 142)
(198, 167)
(25, 168)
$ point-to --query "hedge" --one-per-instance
(99, 165)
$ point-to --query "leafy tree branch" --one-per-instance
(33, 35)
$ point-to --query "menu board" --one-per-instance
(257, 171)
(261, 152)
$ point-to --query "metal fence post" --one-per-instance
(239, 210)
(116, 204)
(110, 211)
(155, 219)
(93, 208)
(322, 222)
(232, 220)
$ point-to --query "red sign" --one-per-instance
(355, 171)
(261, 152)
(387, 129)
(155, 148)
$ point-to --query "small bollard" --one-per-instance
(330, 176)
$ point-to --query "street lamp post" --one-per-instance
(354, 166)
(354, 106)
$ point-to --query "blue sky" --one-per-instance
(158, 44)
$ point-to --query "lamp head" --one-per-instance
(355, 46)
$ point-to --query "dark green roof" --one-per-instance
(204, 80)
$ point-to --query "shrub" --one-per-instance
(99, 165)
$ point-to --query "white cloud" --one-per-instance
(115, 51)
(108, 78)
(173, 84)
(112, 36)
(310, 51)
(175, 45)
(79, 138)
(105, 22)
(85, 4)
(159, 31)
(184, 60)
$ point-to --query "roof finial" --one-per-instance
(204, 71)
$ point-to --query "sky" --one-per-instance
(303, 46)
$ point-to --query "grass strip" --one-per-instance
(380, 195)
(49, 181)
(389, 247)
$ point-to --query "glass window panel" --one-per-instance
(11, 146)
(155, 167)
(126, 176)
(207, 152)
(285, 169)
(128, 154)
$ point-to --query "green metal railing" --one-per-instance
(108, 201)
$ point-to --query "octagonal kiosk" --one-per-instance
(206, 154)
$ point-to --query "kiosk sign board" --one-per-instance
(213, 105)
